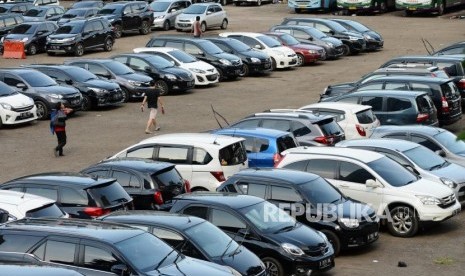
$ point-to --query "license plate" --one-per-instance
(352, 8)
(412, 9)
(325, 263)
(54, 47)
(372, 236)
(25, 115)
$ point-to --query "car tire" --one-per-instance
(273, 64)
(108, 46)
(346, 50)
(144, 28)
(86, 103)
(78, 49)
(163, 87)
(118, 29)
(32, 49)
(42, 110)
(126, 94)
(203, 27)
(220, 74)
(334, 240)
(224, 24)
(166, 25)
(259, 2)
(403, 222)
(245, 70)
(273, 267)
(300, 60)
(408, 13)
(297, 10)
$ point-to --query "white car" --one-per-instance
(212, 15)
(205, 74)
(204, 159)
(281, 56)
(20, 205)
(400, 197)
(357, 121)
(15, 108)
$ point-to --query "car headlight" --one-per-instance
(353, 38)
(255, 60)
(69, 39)
(330, 44)
(367, 36)
(428, 200)
(48, 38)
(25, 39)
(292, 249)
(446, 181)
(6, 106)
(159, 17)
(170, 76)
(322, 235)
(233, 271)
(196, 70)
(279, 53)
(98, 91)
(1, 39)
(135, 83)
(312, 52)
(349, 222)
(225, 61)
(55, 96)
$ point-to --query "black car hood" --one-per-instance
(301, 236)
(101, 84)
(67, 19)
(374, 35)
(136, 77)
(57, 89)
(353, 209)
(226, 56)
(183, 73)
(61, 36)
(254, 53)
(332, 40)
(190, 266)
(244, 261)
(346, 35)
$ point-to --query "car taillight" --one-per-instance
(187, 186)
(422, 117)
(445, 105)
(158, 198)
(324, 140)
(276, 158)
(219, 176)
(361, 131)
(461, 84)
(95, 211)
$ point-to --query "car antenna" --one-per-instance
(427, 45)
(215, 114)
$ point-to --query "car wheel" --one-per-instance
(224, 25)
(273, 64)
(166, 25)
(334, 240)
(32, 50)
(220, 74)
(300, 60)
(273, 267)
(382, 7)
(203, 27)
(245, 70)
(441, 8)
(346, 50)
(42, 110)
(162, 86)
(125, 94)
(259, 2)
(86, 103)
(108, 45)
(403, 222)
(79, 50)
(118, 31)
(408, 13)
(145, 28)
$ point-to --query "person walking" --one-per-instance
(153, 100)
(196, 27)
(58, 126)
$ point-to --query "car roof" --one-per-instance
(90, 60)
(124, 2)
(392, 144)
(140, 164)
(54, 66)
(231, 200)
(363, 156)
(428, 79)
(275, 33)
(18, 70)
(410, 94)
(284, 175)
(141, 55)
(306, 19)
(354, 108)
(63, 178)
(407, 69)
(158, 49)
(427, 130)
(250, 34)
(298, 114)
(178, 37)
(204, 4)
(433, 58)
(13, 201)
(193, 139)
(256, 132)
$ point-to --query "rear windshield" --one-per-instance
(233, 154)
(329, 127)
(51, 211)
(425, 104)
(448, 67)
(168, 177)
(366, 116)
(285, 142)
(449, 90)
(109, 194)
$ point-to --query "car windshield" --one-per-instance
(211, 239)
(80, 74)
(320, 191)
(357, 26)
(6, 90)
(238, 45)
(267, 217)
(84, 4)
(158, 6)
(118, 68)
(289, 39)
(392, 172)
(69, 29)
(211, 48)
(24, 29)
(74, 13)
(315, 33)
(195, 9)
(182, 56)
(111, 9)
(35, 12)
(425, 158)
(37, 79)
(50, 211)
(159, 62)
(329, 127)
(4, 9)
(269, 41)
(450, 142)
(146, 252)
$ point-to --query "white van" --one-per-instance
(205, 160)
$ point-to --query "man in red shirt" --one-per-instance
(58, 126)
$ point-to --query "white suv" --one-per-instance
(402, 198)
(204, 159)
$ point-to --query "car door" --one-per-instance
(61, 251)
(97, 259)
(100, 34)
(128, 18)
(142, 66)
(41, 35)
(88, 35)
(210, 16)
(14, 81)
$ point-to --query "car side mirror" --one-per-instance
(331, 32)
(4, 216)
(148, 69)
(440, 153)
(201, 53)
(173, 10)
(70, 82)
(371, 183)
(120, 269)
(209, 12)
(257, 46)
(21, 86)
(104, 76)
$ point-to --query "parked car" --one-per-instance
(21, 205)
(353, 41)
(212, 15)
(357, 121)
(307, 128)
(7, 23)
(45, 2)
(15, 7)
(33, 34)
(204, 73)
(228, 65)
(27, 269)
(284, 245)
(281, 56)
(150, 183)
(306, 53)
(394, 107)
(87, 4)
(79, 195)
(101, 248)
(193, 237)
(204, 159)
(128, 16)
(44, 13)
(166, 11)
(334, 47)
(77, 13)
(168, 77)
(251, 2)
(134, 85)
(308, 194)
(418, 159)
(374, 40)
(15, 108)
(95, 92)
(405, 200)
(78, 36)
(43, 90)
(253, 61)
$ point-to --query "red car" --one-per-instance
(306, 53)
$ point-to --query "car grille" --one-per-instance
(212, 77)
(22, 109)
(447, 201)
(340, 49)
(73, 99)
(292, 55)
(362, 41)
(321, 52)
(317, 251)
(185, 76)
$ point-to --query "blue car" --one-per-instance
(263, 145)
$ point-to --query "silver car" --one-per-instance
(211, 15)
(166, 11)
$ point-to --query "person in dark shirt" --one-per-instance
(153, 100)
(58, 126)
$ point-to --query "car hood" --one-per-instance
(33, 19)
(136, 77)
(427, 187)
(283, 49)
(181, 72)
(17, 100)
(57, 89)
(332, 40)
(301, 236)
(197, 65)
(244, 261)
(454, 172)
(349, 33)
(61, 36)
(227, 56)
(255, 53)
(373, 34)
(302, 46)
(352, 209)
(191, 266)
(66, 20)
(109, 85)
(190, 17)
(17, 36)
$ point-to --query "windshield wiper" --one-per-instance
(285, 229)
(164, 258)
(229, 244)
(435, 167)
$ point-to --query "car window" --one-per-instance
(285, 194)
(17, 243)
(197, 211)
(9, 21)
(73, 197)
(421, 87)
(56, 75)
(258, 190)
(424, 103)
(322, 167)
(97, 25)
(226, 221)
(126, 179)
(201, 157)
(138, 64)
(399, 159)
(168, 177)
(253, 123)
(365, 116)
(172, 238)
(353, 173)
(171, 44)
(300, 34)
(192, 49)
(49, 210)
(59, 252)
(396, 86)
(283, 125)
(425, 142)
(298, 166)
(97, 69)
(448, 67)
(299, 129)
(285, 142)
(127, 9)
(261, 145)
(99, 259)
(376, 103)
(371, 86)
(323, 28)
(42, 191)
(330, 127)
(146, 152)
(109, 194)
(397, 104)
(396, 136)
(339, 116)
(175, 155)
(353, 100)
(11, 80)
(233, 154)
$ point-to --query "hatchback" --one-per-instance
(149, 183)
(80, 195)
(374, 40)
(44, 13)
(211, 15)
(15, 108)
(33, 34)
(166, 11)
(77, 13)
(204, 159)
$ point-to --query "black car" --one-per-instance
(78, 36)
(15, 7)
(128, 16)
(133, 84)
(194, 237)
(87, 4)
(354, 41)
(44, 13)
(7, 23)
(150, 183)
(79, 195)
(345, 228)
(97, 248)
(374, 41)
(42, 89)
(167, 77)
(253, 61)
(75, 14)
(228, 65)
(285, 246)
(95, 92)
(33, 34)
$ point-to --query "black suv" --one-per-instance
(296, 190)
(75, 14)
(95, 91)
(150, 183)
(128, 16)
(16, 7)
(33, 33)
(285, 246)
(7, 23)
(77, 36)
(133, 84)
(228, 65)
(42, 89)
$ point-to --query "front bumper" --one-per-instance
(363, 235)
(206, 79)
(334, 52)
(229, 70)
(434, 213)
(60, 47)
(183, 26)
(285, 61)
(19, 115)
(180, 85)
(111, 98)
(136, 92)
(262, 67)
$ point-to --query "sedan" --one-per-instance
(211, 15)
